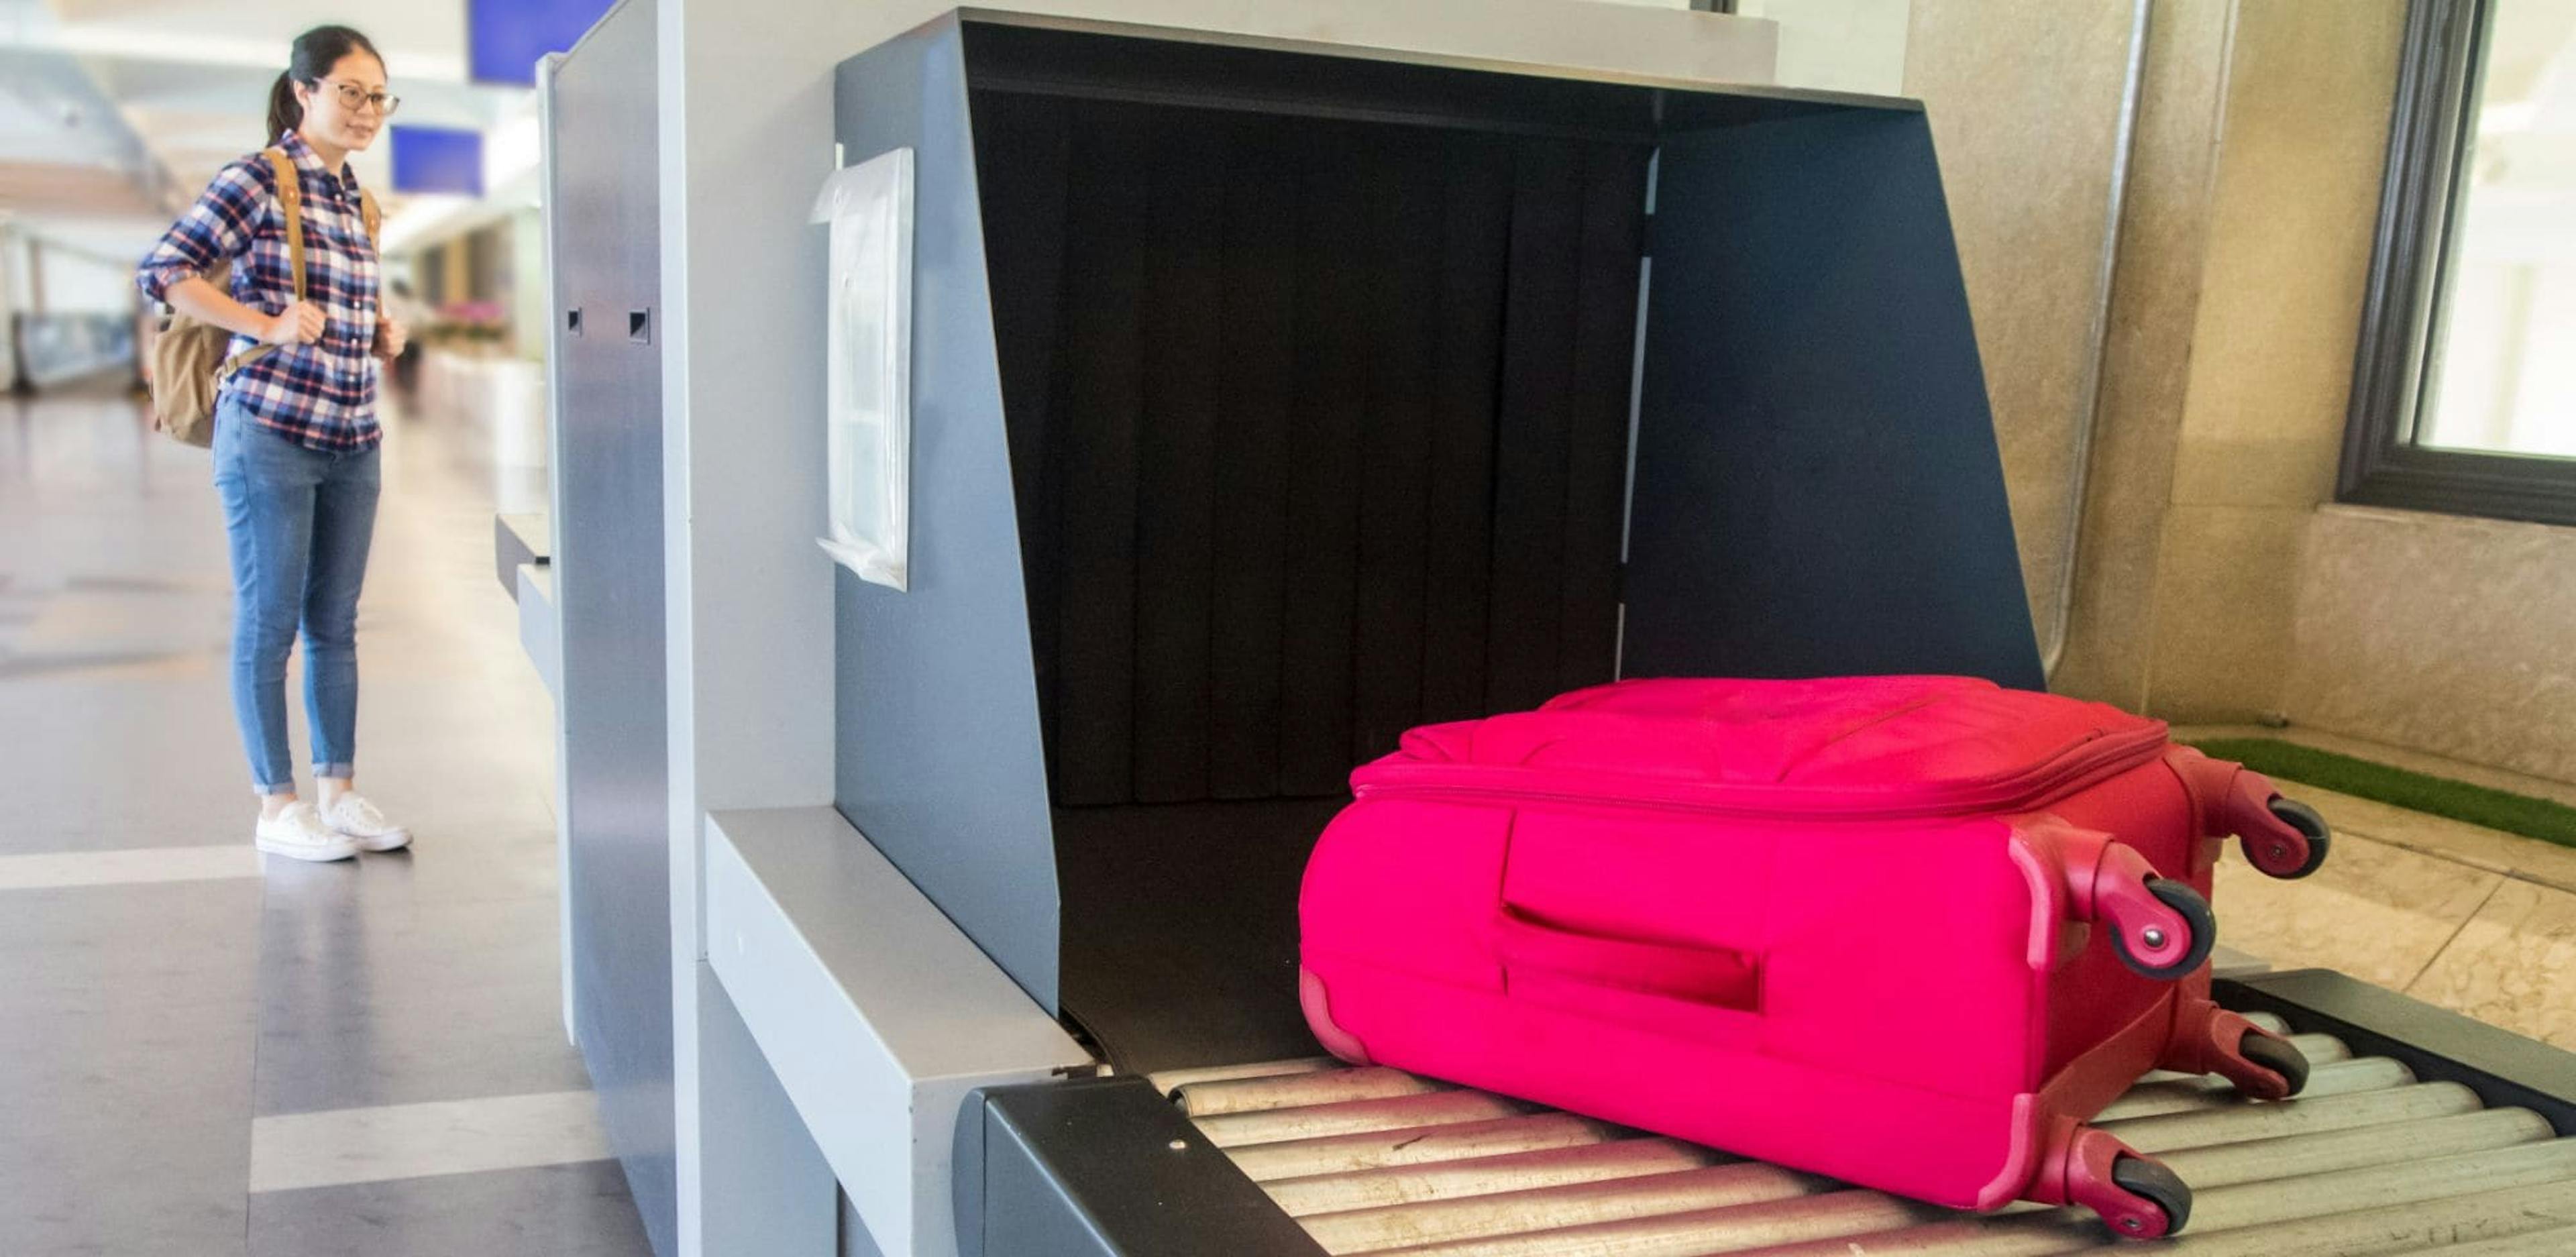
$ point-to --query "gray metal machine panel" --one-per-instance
(940, 761)
(1818, 490)
(764, 1187)
(2504, 1068)
(1105, 1168)
(876, 1015)
(608, 446)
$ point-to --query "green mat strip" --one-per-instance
(2543, 819)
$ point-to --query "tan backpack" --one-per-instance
(188, 362)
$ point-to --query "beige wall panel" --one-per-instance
(2147, 358)
(2024, 97)
(2440, 633)
(2296, 204)
(2220, 653)
(2292, 210)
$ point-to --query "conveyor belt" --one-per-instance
(2367, 1161)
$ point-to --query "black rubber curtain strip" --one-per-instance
(1458, 576)
(1401, 185)
(1176, 507)
(1103, 381)
(1256, 355)
(1530, 452)
(1319, 429)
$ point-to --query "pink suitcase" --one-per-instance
(1909, 932)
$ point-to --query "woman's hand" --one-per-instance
(391, 336)
(300, 323)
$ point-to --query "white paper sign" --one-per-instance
(868, 331)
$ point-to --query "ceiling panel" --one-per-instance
(177, 88)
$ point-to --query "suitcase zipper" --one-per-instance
(2095, 756)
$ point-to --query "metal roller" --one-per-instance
(2280, 1211)
(2510, 1216)
(1445, 1108)
(2265, 1159)
(2318, 1048)
(1343, 1154)
(1171, 1080)
(2046, 1232)
(2190, 1095)
(1217, 1097)
(1743, 1228)
(2035, 1231)
(2366, 1162)
(1552, 1167)
(2296, 1117)
(2254, 1204)
(2269, 1022)
(2512, 1222)
(1555, 1208)
(2551, 1243)
(2321, 1049)
(2038, 1229)
(2031, 1235)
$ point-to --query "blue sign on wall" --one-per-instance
(504, 38)
(434, 159)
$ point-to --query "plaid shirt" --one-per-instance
(323, 395)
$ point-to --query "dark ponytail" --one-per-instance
(285, 113)
(316, 51)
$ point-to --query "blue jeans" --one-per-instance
(300, 521)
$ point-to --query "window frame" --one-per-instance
(2439, 80)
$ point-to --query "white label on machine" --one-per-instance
(868, 332)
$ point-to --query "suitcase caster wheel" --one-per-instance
(2197, 919)
(2272, 856)
(2277, 1055)
(2159, 1201)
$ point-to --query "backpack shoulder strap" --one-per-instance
(290, 205)
(368, 214)
(290, 202)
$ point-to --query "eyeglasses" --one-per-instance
(355, 97)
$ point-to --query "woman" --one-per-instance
(296, 438)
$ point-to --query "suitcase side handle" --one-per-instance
(1699, 975)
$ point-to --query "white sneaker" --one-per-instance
(357, 820)
(299, 834)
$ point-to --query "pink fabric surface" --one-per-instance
(1816, 922)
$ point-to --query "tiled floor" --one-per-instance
(2468, 918)
(199, 1057)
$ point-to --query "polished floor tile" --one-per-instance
(370, 1145)
(175, 1008)
(578, 1210)
(2230, 962)
(331, 1050)
(69, 950)
(121, 758)
(2513, 965)
(123, 1112)
(57, 870)
(312, 910)
(2377, 912)
(170, 1220)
